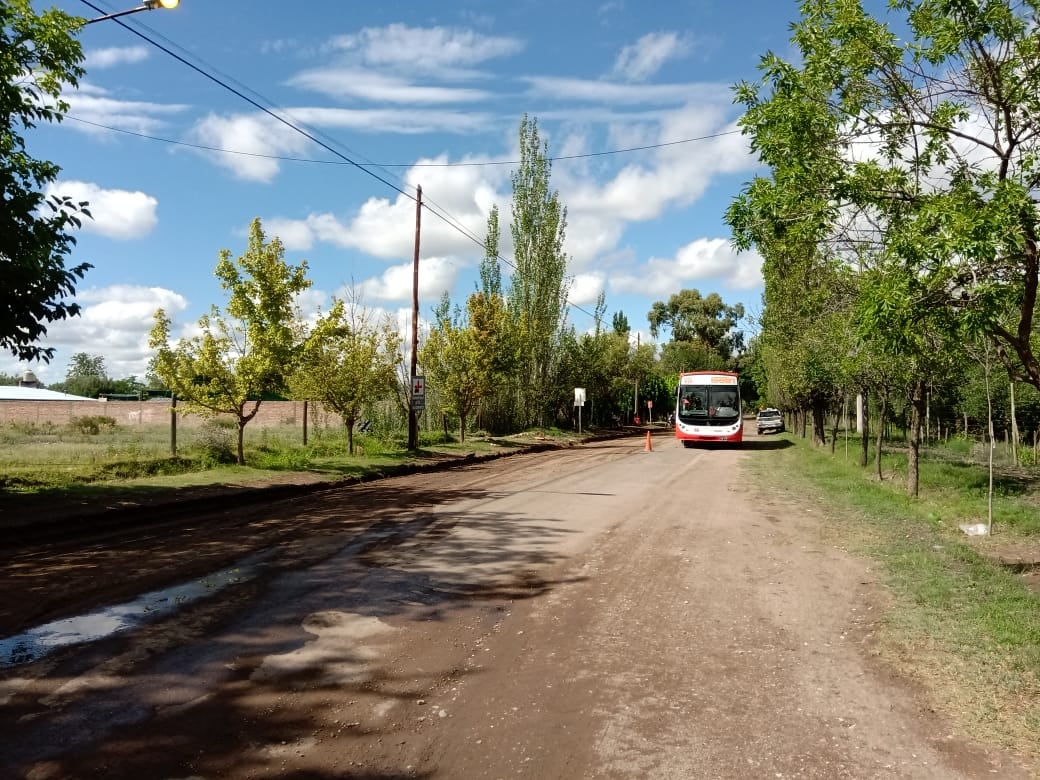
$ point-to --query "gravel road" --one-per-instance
(597, 612)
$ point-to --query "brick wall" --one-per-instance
(272, 413)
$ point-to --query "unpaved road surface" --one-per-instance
(598, 612)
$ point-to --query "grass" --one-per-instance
(97, 458)
(961, 623)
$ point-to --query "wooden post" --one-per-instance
(173, 425)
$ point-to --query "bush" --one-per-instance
(218, 442)
(92, 425)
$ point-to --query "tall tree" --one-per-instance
(348, 361)
(86, 375)
(38, 58)
(242, 353)
(707, 319)
(537, 296)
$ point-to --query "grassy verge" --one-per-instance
(960, 623)
(48, 471)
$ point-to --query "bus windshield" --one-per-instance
(708, 405)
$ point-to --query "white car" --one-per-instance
(770, 421)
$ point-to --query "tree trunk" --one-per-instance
(803, 421)
(865, 441)
(350, 434)
(1014, 428)
(819, 422)
(241, 438)
(913, 476)
(881, 427)
(838, 411)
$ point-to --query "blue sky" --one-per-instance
(410, 86)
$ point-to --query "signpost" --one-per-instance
(579, 401)
(418, 393)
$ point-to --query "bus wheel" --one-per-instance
(687, 443)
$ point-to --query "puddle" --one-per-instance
(39, 642)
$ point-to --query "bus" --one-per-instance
(707, 408)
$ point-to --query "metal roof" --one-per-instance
(16, 393)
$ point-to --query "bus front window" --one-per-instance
(693, 403)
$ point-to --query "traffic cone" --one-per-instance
(649, 445)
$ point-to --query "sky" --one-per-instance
(176, 166)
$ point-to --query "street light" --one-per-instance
(147, 5)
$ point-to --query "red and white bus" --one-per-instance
(707, 407)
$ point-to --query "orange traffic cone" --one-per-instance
(649, 445)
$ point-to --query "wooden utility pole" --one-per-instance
(413, 421)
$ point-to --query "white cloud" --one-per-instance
(585, 288)
(114, 322)
(384, 227)
(96, 59)
(357, 83)
(699, 260)
(675, 175)
(251, 141)
(608, 92)
(251, 134)
(425, 49)
(436, 276)
(118, 214)
(642, 59)
(96, 104)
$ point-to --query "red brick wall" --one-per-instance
(271, 413)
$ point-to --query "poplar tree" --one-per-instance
(537, 296)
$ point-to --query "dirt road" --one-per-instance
(601, 612)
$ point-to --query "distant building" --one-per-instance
(23, 392)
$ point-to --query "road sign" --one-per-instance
(579, 396)
(418, 393)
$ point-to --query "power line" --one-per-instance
(486, 163)
(451, 221)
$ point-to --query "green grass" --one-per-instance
(93, 459)
(961, 623)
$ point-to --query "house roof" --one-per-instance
(16, 393)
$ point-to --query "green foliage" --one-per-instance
(705, 320)
(242, 354)
(461, 355)
(216, 442)
(348, 362)
(537, 295)
(39, 57)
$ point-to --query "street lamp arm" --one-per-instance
(147, 5)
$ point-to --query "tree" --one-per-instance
(38, 58)
(927, 136)
(85, 375)
(620, 325)
(348, 361)
(537, 296)
(692, 317)
(246, 352)
(460, 353)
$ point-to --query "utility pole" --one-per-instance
(413, 421)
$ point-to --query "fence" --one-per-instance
(271, 413)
